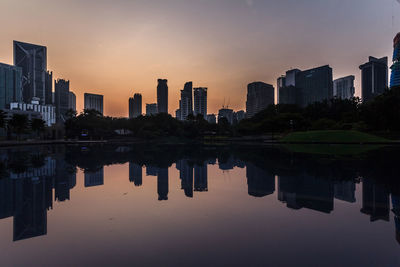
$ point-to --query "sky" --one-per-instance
(120, 47)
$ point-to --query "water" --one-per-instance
(197, 206)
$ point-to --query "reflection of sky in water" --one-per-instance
(214, 215)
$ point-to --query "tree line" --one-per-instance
(20, 125)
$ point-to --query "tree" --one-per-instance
(38, 126)
(19, 124)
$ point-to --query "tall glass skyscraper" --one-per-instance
(395, 78)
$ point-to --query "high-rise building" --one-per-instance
(151, 109)
(200, 101)
(343, 88)
(135, 106)
(61, 88)
(211, 118)
(225, 113)
(287, 91)
(186, 102)
(162, 96)
(259, 96)
(395, 78)
(72, 101)
(374, 78)
(315, 85)
(280, 83)
(33, 61)
(49, 88)
(10, 85)
(93, 101)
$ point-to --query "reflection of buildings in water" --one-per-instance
(200, 178)
(260, 182)
(94, 178)
(304, 191)
(48, 169)
(65, 180)
(345, 190)
(230, 163)
(135, 173)
(375, 200)
(186, 176)
(162, 184)
(396, 211)
(151, 170)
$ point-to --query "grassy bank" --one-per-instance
(341, 137)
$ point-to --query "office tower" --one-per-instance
(200, 101)
(211, 118)
(178, 114)
(162, 184)
(49, 88)
(186, 102)
(259, 96)
(61, 88)
(10, 85)
(162, 96)
(93, 101)
(315, 85)
(33, 61)
(287, 91)
(239, 115)
(135, 106)
(343, 88)
(135, 174)
(280, 83)
(374, 78)
(72, 101)
(260, 182)
(94, 178)
(151, 109)
(225, 113)
(375, 200)
(395, 78)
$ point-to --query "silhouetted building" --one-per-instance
(343, 88)
(162, 184)
(200, 178)
(186, 102)
(93, 101)
(280, 84)
(238, 116)
(259, 96)
(315, 85)
(49, 88)
(151, 109)
(94, 178)
(135, 173)
(287, 91)
(162, 96)
(225, 113)
(345, 190)
(375, 200)
(72, 101)
(260, 182)
(374, 78)
(200, 101)
(395, 77)
(34, 111)
(62, 99)
(135, 106)
(33, 61)
(10, 85)
(211, 118)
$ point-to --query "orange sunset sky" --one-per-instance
(118, 48)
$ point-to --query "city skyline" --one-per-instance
(89, 60)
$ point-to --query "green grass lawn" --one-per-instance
(332, 136)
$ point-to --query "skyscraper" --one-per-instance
(259, 96)
(343, 88)
(72, 101)
(395, 78)
(287, 91)
(186, 102)
(93, 101)
(315, 85)
(49, 88)
(10, 85)
(200, 101)
(135, 106)
(33, 61)
(162, 96)
(151, 109)
(374, 78)
(61, 88)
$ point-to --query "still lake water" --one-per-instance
(197, 206)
